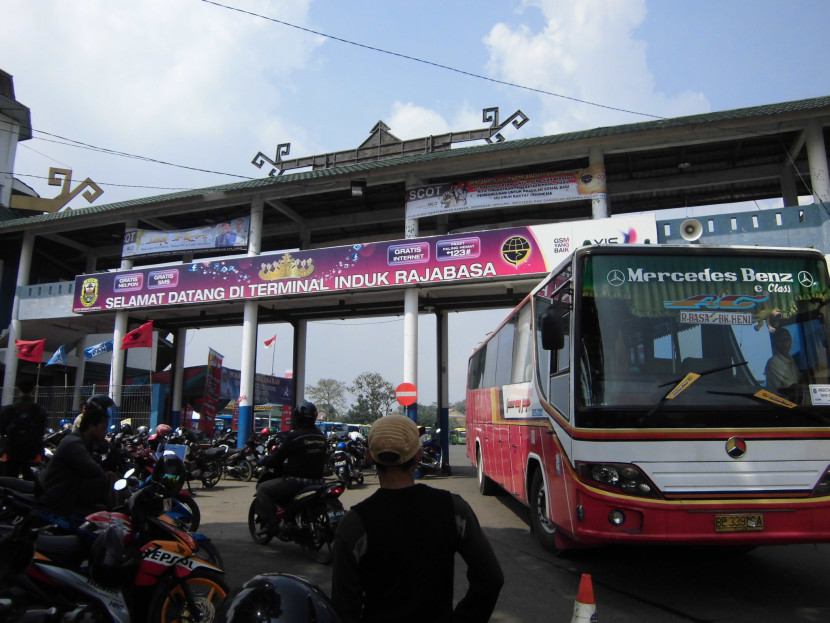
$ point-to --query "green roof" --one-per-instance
(9, 220)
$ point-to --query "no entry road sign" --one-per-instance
(406, 394)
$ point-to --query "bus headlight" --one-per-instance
(617, 477)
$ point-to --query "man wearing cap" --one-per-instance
(394, 552)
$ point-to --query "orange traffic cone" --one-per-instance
(585, 610)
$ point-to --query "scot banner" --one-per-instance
(505, 191)
(476, 256)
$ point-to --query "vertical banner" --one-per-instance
(213, 383)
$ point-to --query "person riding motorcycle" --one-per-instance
(297, 463)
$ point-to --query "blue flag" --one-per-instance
(97, 349)
(59, 358)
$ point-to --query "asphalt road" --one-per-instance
(640, 585)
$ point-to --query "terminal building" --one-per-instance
(414, 222)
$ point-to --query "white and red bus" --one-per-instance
(642, 394)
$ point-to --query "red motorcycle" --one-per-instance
(134, 566)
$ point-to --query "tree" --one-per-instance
(427, 415)
(460, 406)
(329, 396)
(377, 393)
(360, 412)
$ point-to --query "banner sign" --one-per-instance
(506, 191)
(267, 389)
(477, 256)
(227, 235)
(213, 383)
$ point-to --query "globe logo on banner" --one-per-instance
(515, 250)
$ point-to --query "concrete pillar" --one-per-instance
(599, 205)
(817, 157)
(410, 329)
(789, 192)
(247, 374)
(23, 269)
(177, 399)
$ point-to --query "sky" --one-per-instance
(155, 96)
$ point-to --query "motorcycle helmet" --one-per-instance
(162, 430)
(100, 402)
(305, 414)
(64, 424)
(142, 430)
(169, 474)
(277, 597)
(265, 432)
(111, 564)
(112, 429)
(341, 445)
(126, 428)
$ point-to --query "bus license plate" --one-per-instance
(749, 522)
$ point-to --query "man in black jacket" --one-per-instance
(73, 479)
(298, 462)
(22, 427)
(394, 552)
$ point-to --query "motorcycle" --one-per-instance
(432, 461)
(310, 520)
(138, 567)
(205, 464)
(241, 463)
(345, 465)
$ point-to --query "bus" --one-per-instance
(642, 394)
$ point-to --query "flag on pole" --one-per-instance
(30, 350)
(139, 338)
(59, 357)
(97, 349)
(270, 343)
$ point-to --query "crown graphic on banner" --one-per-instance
(286, 268)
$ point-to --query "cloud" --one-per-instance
(184, 82)
(587, 51)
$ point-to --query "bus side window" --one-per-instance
(560, 380)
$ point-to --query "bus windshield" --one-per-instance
(694, 340)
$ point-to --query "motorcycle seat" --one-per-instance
(214, 452)
(17, 484)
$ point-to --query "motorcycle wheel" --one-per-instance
(256, 526)
(211, 478)
(246, 471)
(195, 513)
(318, 547)
(208, 591)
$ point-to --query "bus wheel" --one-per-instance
(543, 527)
(485, 485)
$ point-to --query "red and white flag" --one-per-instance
(139, 338)
(30, 350)
(270, 343)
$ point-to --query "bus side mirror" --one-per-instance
(553, 331)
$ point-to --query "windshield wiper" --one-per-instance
(682, 384)
(768, 397)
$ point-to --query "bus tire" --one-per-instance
(543, 527)
(485, 485)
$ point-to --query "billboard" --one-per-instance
(476, 256)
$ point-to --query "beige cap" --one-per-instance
(393, 439)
